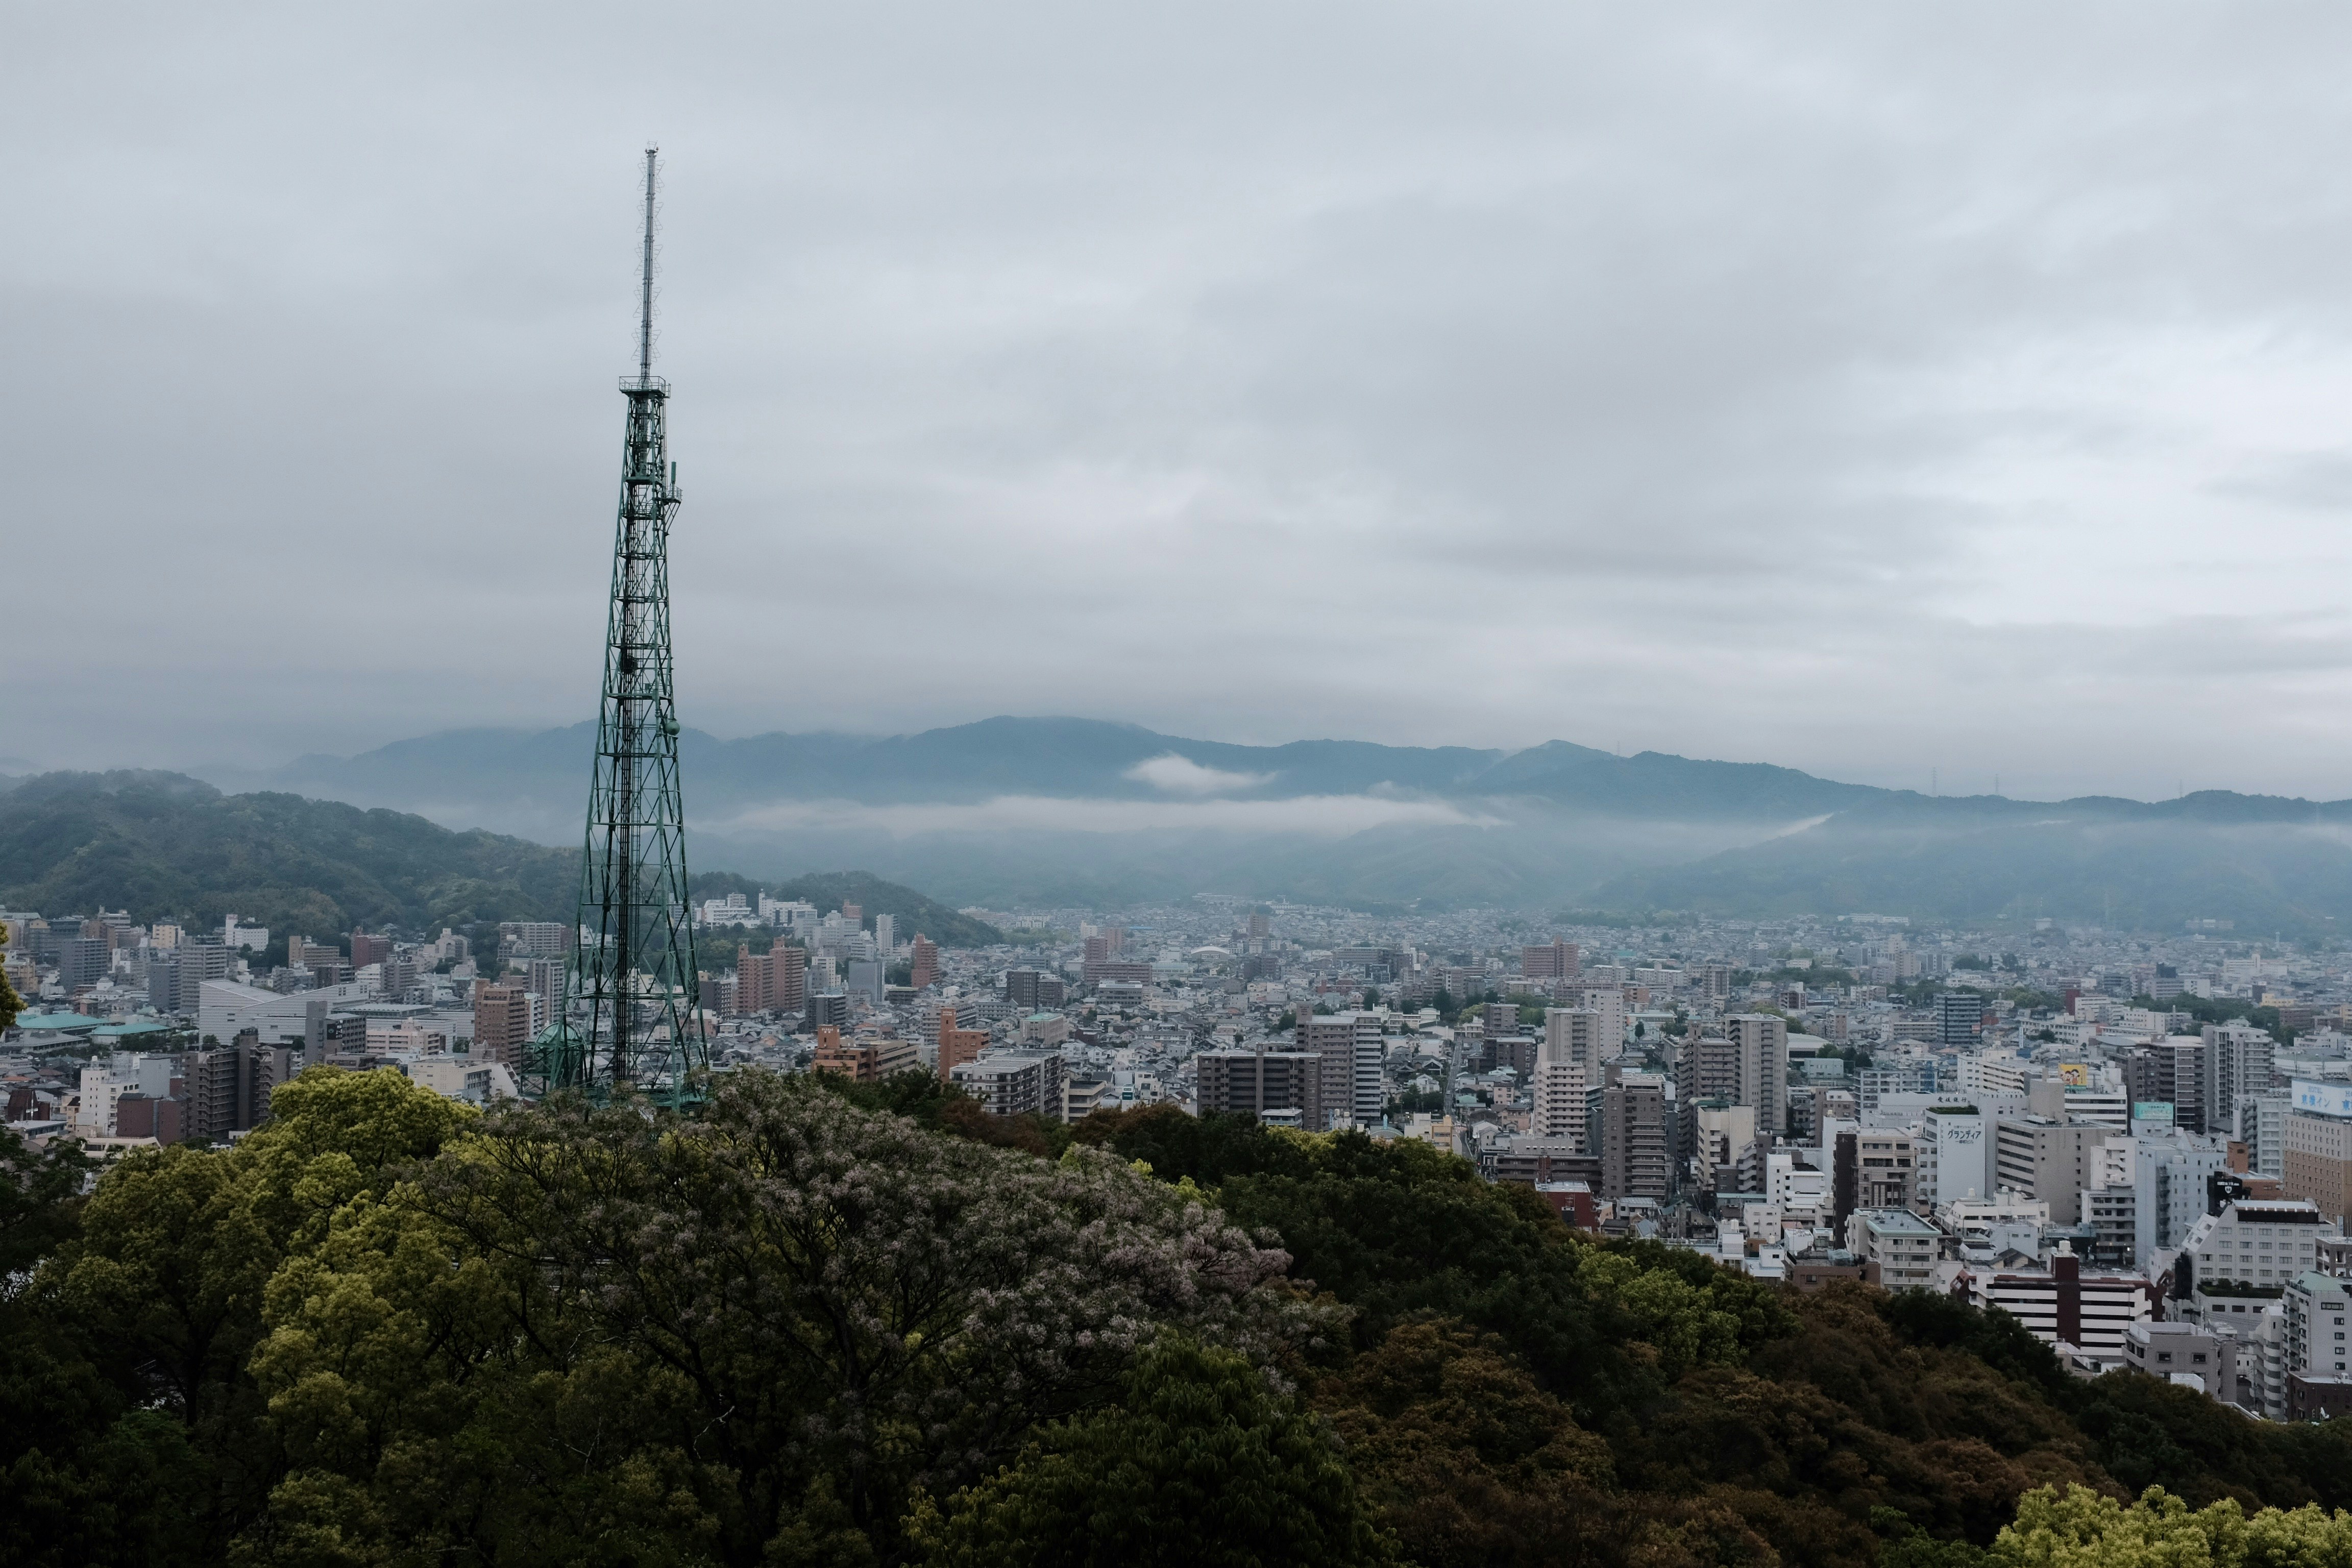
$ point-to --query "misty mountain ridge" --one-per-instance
(1058, 811)
(1061, 758)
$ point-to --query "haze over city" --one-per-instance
(1866, 391)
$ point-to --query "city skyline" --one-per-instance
(1890, 398)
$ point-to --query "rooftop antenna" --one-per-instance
(645, 283)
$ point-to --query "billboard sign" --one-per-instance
(2327, 1097)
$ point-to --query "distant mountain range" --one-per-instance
(1083, 811)
(530, 771)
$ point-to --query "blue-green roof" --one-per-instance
(71, 1023)
(136, 1026)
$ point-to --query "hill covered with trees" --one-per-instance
(163, 846)
(816, 1323)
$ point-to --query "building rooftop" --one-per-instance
(57, 1022)
(1897, 1222)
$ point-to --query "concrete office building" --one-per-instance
(502, 1028)
(1760, 1042)
(2062, 1101)
(1959, 1014)
(2113, 1214)
(2052, 1161)
(1252, 1082)
(1609, 1002)
(1897, 1249)
(775, 981)
(1022, 989)
(1555, 960)
(2316, 1305)
(2315, 1160)
(2061, 1305)
(2238, 1061)
(228, 1089)
(2261, 1128)
(530, 939)
(1979, 1222)
(175, 981)
(1579, 1034)
(226, 1008)
(2168, 1173)
(1016, 1083)
(1718, 1133)
(1712, 1068)
(1872, 1168)
(1556, 1096)
(1507, 1052)
(957, 1046)
(1626, 1126)
(83, 961)
(2169, 1071)
(2254, 1241)
(2173, 1350)
(1353, 1052)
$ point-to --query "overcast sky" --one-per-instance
(1866, 389)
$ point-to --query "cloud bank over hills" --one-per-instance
(1013, 810)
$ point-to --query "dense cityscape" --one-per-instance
(2140, 1145)
(1301, 859)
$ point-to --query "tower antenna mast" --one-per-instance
(629, 1017)
(646, 280)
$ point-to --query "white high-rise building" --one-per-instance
(1996, 1071)
(2238, 1061)
(2261, 1128)
(2169, 1172)
(1558, 1092)
(1955, 1156)
(1567, 1063)
(1609, 1002)
(2257, 1242)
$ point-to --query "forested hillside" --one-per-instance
(163, 845)
(818, 1324)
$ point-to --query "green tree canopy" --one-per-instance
(1202, 1465)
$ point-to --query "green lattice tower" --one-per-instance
(629, 1016)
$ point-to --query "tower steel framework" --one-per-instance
(629, 1018)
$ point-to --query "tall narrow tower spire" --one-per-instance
(629, 1016)
(645, 277)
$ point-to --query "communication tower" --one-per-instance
(629, 1018)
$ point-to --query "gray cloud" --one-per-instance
(1182, 776)
(1868, 390)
